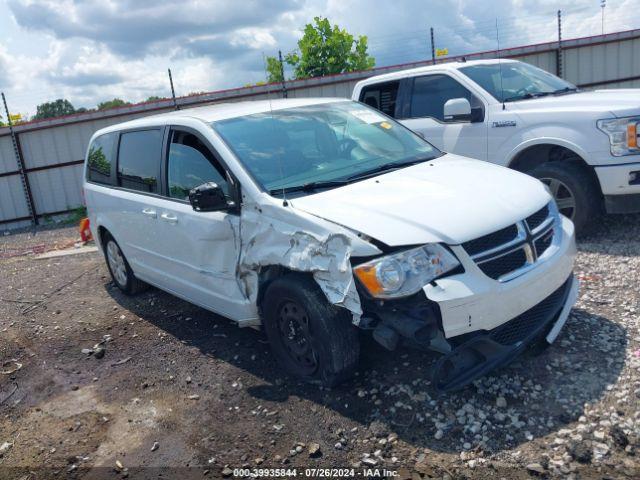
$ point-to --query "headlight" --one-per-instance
(623, 134)
(405, 273)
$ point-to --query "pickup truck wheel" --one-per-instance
(574, 190)
(119, 268)
(311, 338)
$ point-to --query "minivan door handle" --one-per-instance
(149, 212)
(169, 217)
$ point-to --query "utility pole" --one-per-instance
(173, 92)
(23, 174)
(603, 3)
(433, 49)
(284, 87)
(559, 50)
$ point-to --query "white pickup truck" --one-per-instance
(583, 144)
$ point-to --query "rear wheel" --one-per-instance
(311, 338)
(574, 189)
(119, 268)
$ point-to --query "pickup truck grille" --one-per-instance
(507, 253)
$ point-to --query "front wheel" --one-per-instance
(574, 190)
(310, 338)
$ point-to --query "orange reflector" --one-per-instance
(632, 135)
(367, 275)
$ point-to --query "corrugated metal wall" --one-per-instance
(607, 61)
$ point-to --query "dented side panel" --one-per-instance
(275, 235)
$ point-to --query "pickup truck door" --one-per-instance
(421, 109)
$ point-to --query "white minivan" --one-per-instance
(315, 218)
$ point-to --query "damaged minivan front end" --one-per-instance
(478, 295)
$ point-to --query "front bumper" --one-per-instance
(489, 350)
(471, 301)
(620, 187)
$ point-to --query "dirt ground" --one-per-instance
(175, 391)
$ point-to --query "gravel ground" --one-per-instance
(111, 386)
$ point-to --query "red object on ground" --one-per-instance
(85, 231)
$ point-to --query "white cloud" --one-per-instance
(92, 50)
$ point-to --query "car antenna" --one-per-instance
(285, 203)
(499, 64)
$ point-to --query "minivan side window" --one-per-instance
(139, 160)
(431, 92)
(100, 158)
(191, 164)
(381, 96)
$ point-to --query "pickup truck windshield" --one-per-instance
(320, 146)
(520, 81)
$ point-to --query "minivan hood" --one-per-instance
(622, 103)
(451, 199)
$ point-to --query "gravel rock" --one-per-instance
(4, 448)
(581, 452)
(536, 467)
(314, 450)
(619, 437)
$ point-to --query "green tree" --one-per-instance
(274, 72)
(153, 98)
(324, 50)
(116, 102)
(56, 108)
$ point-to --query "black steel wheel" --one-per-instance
(310, 338)
(294, 330)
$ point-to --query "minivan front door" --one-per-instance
(424, 114)
(197, 252)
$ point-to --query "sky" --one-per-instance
(89, 51)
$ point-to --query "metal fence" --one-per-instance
(52, 150)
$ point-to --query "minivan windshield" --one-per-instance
(326, 145)
(519, 81)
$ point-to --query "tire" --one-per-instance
(310, 338)
(119, 268)
(575, 190)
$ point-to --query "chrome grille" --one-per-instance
(511, 251)
(486, 242)
(535, 220)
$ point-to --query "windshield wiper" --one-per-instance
(565, 90)
(309, 187)
(527, 96)
(385, 167)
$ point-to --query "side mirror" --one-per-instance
(457, 110)
(208, 197)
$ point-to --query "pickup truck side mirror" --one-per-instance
(457, 110)
(209, 197)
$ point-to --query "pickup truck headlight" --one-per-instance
(405, 273)
(623, 134)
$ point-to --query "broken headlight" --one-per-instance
(405, 273)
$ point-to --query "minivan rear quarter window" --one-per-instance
(139, 160)
(381, 96)
(100, 158)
